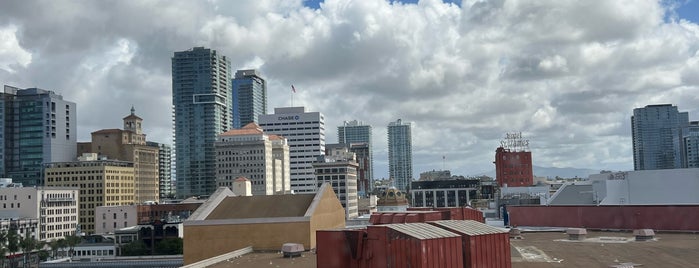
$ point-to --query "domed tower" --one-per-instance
(132, 123)
(392, 200)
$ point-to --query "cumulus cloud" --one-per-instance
(566, 73)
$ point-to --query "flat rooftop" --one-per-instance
(548, 249)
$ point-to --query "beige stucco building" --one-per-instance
(225, 222)
(129, 145)
(249, 152)
(55, 209)
(101, 183)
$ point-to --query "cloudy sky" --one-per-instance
(567, 74)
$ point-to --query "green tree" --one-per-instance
(27, 245)
(12, 243)
(72, 241)
(3, 247)
(169, 246)
(135, 248)
(61, 244)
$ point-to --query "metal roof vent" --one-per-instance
(515, 233)
(291, 250)
(644, 234)
(576, 233)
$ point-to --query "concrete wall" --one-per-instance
(206, 241)
(671, 217)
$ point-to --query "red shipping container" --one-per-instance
(339, 248)
(413, 245)
(483, 245)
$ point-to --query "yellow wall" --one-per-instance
(203, 242)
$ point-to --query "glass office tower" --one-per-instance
(249, 97)
(400, 154)
(657, 137)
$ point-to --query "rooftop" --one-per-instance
(248, 207)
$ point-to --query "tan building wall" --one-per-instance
(112, 143)
(206, 241)
(101, 183)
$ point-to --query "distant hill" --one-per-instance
(552, 172)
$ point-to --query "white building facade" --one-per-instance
(305, 134)
(339, 168)
(249, 152)
(111, 218)
(55, 209)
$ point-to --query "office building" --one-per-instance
(513, 168)
(130, 145)
(339, 169)
(249, 152)
(305, 134)
(443, 192)
(55, 209)
(165, 184)
(37, 126)
(101, 183)
(657, 137)
(362, 154)
(400, 154)
(202, 104)
(690, 142)
(249, 97)
(357, 135)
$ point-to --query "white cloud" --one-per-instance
(566, 73)
(12, 55)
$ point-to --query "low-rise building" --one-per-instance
(227, 222)
(54, 209)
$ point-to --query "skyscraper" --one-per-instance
(202, 105)
(37, 127)
(657, 137)
(249, 97)
(305, 133)
(400, 154)
(164, 169)
(690, 140)
(354, 133)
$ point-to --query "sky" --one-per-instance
(567, 74)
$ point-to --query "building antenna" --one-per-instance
(444, 162)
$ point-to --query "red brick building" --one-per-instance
(513, 168)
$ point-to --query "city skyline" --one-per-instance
(568, 75)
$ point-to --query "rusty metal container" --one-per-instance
(483, 245)
(340, 248)
(413, 245)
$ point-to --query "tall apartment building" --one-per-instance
(130, 145)
(357, 136)
(101, 183)
(249, 152)
(37, 126)
(657, 137)
(690, 142)
(202, 104)
(165, 186)
(54, 208)
(400, 154)
(339, 168)
(305, 134)
(249, 97)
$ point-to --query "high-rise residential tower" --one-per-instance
(400, 154)
(357, 136)
(249, 97)
(690, 141)
(339, 168)
(164, 169)
(305, 134)
(657, 137)
(202, 105)
(37, 127)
